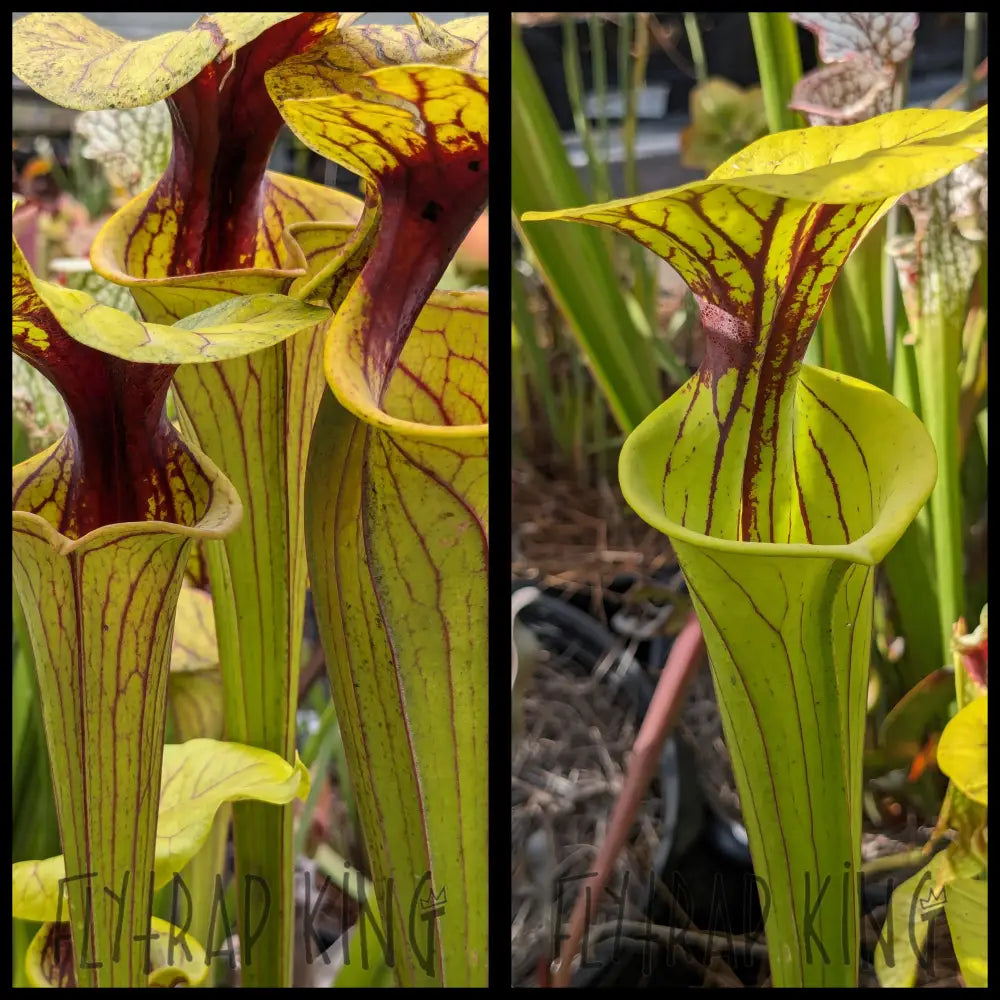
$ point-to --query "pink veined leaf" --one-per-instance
(968, 194)
(962, 197)
(844, 93)
(131, 144)
(885, 37)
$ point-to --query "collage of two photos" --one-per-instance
(259, 696)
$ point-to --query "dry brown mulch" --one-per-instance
(567, 770)
(578, 537)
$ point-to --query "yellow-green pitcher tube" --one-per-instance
(396, 484)
(100, 612)
(782, 485)
(397, 541)
(788, 631)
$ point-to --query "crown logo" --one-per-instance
(932, 903)
(432, 901)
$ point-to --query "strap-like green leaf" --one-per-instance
(574, 261)
(937, 267)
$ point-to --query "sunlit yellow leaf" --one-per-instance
(963, 751)
(200, 775)
(869, 161)
(967, 909)
(99, 69)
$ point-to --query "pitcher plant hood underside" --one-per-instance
(760, 243)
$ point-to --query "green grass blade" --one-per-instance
(537, 370)
(599, 72)
(573, 260)
(853, 326)
(316, 755)
(779, 63)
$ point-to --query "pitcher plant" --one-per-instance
(781, 486)
(221, 241)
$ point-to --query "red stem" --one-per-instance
(684, 659)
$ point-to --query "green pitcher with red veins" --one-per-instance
(407, 109)
(781, 486)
